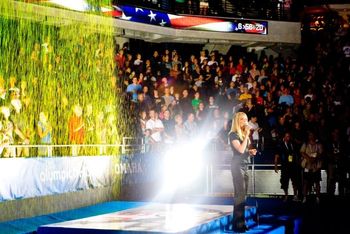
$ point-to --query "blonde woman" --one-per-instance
(240, 142)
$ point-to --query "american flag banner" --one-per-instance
(153, 17)
(163, 19)
(141, 15)
(147, 16)
(188, 22)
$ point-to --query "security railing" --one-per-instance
(216, 179)
(129, 145)
(263, 180)
(214, 174)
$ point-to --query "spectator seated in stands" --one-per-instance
(134, 88)
(286, 98)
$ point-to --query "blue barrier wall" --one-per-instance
(22, 178)
(31, 177)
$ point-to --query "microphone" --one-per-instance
(247, 127)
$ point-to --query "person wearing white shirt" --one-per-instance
(155, 125)
(255, 129)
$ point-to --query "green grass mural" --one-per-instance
(57, 68)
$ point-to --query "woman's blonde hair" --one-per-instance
(235, 125)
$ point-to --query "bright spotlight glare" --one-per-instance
(77, 5)
(182, 166)
(180, 217)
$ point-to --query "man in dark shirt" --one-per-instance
(336, 159)
(290, 169)
(185, 103)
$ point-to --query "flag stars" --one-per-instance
(124, 17)
(162, 23)
(152, 16)
(138, 9)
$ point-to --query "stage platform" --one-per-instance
(263, 215)
(273, 216)
(153, 218)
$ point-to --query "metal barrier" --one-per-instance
(262, 180)
(217, 178)
(129, 145)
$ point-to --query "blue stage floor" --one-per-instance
(274, 216)
(153, 218)
(30, 225)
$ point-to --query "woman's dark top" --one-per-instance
(237, 156)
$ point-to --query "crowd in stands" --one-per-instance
(179, 99)
(12, 123)
(16, 134)
(279, 93)
(15, 127)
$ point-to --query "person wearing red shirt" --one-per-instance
(76, 129)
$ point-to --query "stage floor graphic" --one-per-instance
(152, 218)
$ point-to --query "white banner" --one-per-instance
(31, 177)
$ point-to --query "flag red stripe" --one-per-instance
(114, 13)
(190, 21)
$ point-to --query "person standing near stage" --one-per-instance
(311, 153)
(288, 156)
(240, 142)
(336, 163)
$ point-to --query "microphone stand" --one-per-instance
(253, 146)
(253, 171)
(253, 174)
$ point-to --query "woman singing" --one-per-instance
(239, 141)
